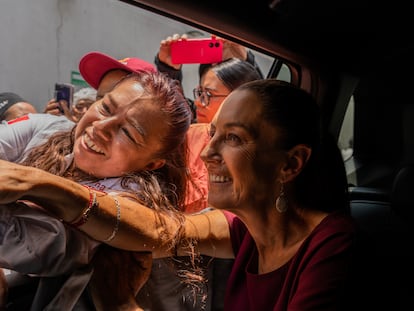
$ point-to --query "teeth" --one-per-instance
(216, 178)
(91, 145)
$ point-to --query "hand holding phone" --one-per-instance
(197, 51)
(64, 91)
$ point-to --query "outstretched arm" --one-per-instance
(128, 224)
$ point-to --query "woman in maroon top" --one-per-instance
(289, 229)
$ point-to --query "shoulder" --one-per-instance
(198, 129)
(197, 137)
(339, 221)
(336, 233)
(42, 120)
(198, 134)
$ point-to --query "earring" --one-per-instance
(281, 201)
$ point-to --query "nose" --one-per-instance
(210, 151)
(105, 128)
(198, 103)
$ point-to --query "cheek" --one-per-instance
(213, 108)
(207, 116)
(249, 176)
(126, 160)
(241, 166)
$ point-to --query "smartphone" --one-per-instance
(64, 91)
(197, 51)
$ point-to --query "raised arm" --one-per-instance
(128, 224)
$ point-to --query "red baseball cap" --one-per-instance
(94, 65)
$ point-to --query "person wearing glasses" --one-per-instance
(231, 49)
(216, 82)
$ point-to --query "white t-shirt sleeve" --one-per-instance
(18, 137)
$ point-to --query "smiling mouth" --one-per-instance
(88, 142)
(219, 179)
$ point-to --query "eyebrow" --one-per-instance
(132, 121)
(112, 100)
(137, 126)
(209, 89)
(251, 130)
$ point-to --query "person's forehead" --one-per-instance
(114, 76)
(109, 80)
(129, 86)
(129, 93)
(211, 81)
(240, 106)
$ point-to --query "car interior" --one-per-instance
(356, 58)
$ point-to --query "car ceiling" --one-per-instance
(351, 36)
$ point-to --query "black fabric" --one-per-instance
(7, 100)
(402, 198)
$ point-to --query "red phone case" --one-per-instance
(197, 51)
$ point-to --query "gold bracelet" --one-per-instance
(83, 218)
(118, 219)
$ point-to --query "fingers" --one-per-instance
(64, 106)
(52, 107)
(56, 108)
(173, 38)
(164, 53)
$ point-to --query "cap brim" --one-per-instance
(94, 65)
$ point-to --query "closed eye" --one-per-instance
(104, 109)
(129, 135)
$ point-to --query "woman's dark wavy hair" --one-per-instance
(162, 188)
(322, 184)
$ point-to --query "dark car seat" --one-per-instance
(388, 223)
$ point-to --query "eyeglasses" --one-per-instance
(204, 96)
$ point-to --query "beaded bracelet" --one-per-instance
(83, 218)
(118, 219)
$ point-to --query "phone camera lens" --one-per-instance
(210, 45)
(217, 44)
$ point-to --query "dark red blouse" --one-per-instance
(314, 279)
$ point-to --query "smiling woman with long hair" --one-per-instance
(130, 144)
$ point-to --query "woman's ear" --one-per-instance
(296, 159)
(155, 164)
